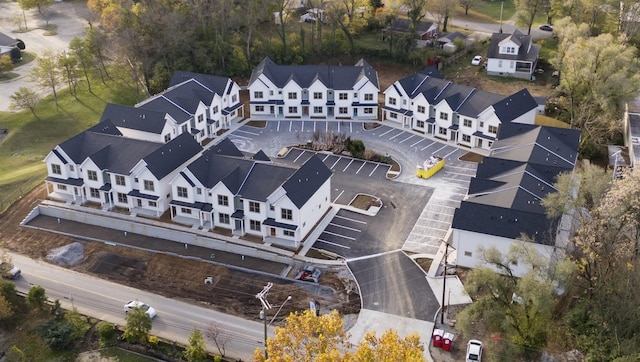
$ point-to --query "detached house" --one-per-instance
(512, 55)
(504, 198)
(314, 91)
(467, 116)
(224, 189)
(425, 30)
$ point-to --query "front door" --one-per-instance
(238, 225)
(273, 231)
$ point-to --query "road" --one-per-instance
(104, 300)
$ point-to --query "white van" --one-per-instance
(12, 273)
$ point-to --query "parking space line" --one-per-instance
(326, 127)
(347, 166)
(334, 244)
(422, 139)
(302, 126)
(391, 130)
(327, 156)
(290, 125)
(334, 164)
(351, 127)
(401, 132)
(338, 235)
(350, 219)
(341, 192)
(345, 227)
(300, 155)
(374, 170)
(406, 139)
(238, 136)
(438, 150)
(251, 133)
(430, 144)
(364, 163)
(278, 128)
(450, 153)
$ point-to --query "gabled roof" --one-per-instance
(333, 77)
(263, 180)
(7, 41)
(261, 156)
(141, 119)
(216, 84)
(227, 148)
(306, 181)
(450, 37)
(522, 40)
(173, 154)
(106, 127)
(164, 105)
(515, 105)
(403, 25)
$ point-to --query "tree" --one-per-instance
(46, 73)
(389, 347)
(30, 4)
(57, 334)
(107, 333)
(416, 12)
(6, 65)
(443, 9)
(37, 297)
(467, 4)
(69, 66)
(15, 354)
(6, 309)
(138, 325)
(81, 53)
(25, 98)
(217, 335)
(526, 11)
(196, 350)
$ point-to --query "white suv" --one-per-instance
(137, 304)
(474, 351)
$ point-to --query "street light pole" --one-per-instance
(444, 283)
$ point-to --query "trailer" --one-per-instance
(430, 166)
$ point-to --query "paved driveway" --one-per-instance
(69, 19)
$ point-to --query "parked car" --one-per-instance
(11, 273)
(546, 27)
(474, 351)
(476, 60)
(137, 304)
(309, 274)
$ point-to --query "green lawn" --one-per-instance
(30, 139)
(487, 11)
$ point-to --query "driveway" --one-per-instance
(69, 19)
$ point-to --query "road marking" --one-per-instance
(334, 164)
(300, 155)
(347, 166)
(334, 244)
(278, 128)
(351, 126)
(345, 227)
(233, 135)
(422, 139)
(350, 219)
(429, 145)
(373, 255)
(302, 127)
(364, 163)
(314, 125)
(436, 151)
(450, 153)
(401, 132)
(406, 139)
(326, 127)
(342, 192)
(338, 235)
(391, 130)
(251, 133)
(327, 156)
(374, 170)
(290, 126)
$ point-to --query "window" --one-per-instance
(489, 144)
(368, 110)
(444, 116)
(468, 253)
(286, 214)
(317, 95)
(368, 96)
(223, 218)
(182, 192)
(254, 206)
(254, 225)
(512, 65)
(271, 207)
(215, 110)
(167, 137)
(499, 63)
(223, 200)
(185, 210)
(152, 203)
(466, 138)
(234, 98)
(317, 109)
(95, 193)
(122, 198)
(421, 109)
(419, 123)
(120, 180)
(198, 191)
(71, 168)
(148, 185)
(343, 110)
(343, 96)
(257, 95)
(184, 128)
(259, 108)
(481, 124)
(92, 175)
(62, 187)
(442, 130)
(392, 101)
(293, 95)
(404, 102)
(200, 118)
(289, 233)
(467, 122)
(55, 169)
(393, 115)
(293, 109)
(493, 129)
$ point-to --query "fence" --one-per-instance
(18, 192)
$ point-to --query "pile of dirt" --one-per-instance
(70, 254)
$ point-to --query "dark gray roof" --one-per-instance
(306, 181)
(403, 25)
(478, 102)
(106, 127)
(7, 41)
(140, 119)
(164, 105)
(514, 106)
(524, 52)
(333, 77)
(450, 37)
(263, 180)
(173, 154)
(189, 94)
(113, 153)
(227, 148)
(261, 156)
(215, 83)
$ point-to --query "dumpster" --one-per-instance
(430, 166)
(447, 341)
(437, 337)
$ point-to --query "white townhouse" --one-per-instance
(314, 91)
(512, 55)
(114, 171)
(504, 198)
(140, 123)
(224, 189)
(426, 103)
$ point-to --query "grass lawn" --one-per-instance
(487, 11)
(30, 139)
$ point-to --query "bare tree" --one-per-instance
(219, 337)
(467, 4)
(25, 98)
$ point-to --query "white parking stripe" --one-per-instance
(347, 166)
(326, 127)
(338, 235)
(278, 128)
(334, 164)
(345, 227)
(341, 192)
(300, 155)
(302, 129)
(251, 133)
(350, 219)
(401, 132)
(290, 126)
(314, 126)
(374, 170)
(351, 127)
(422, 139)
(406, 139)
(364, 163)
(430, 144)
(391, 130)
(334, 244)
(450, 153)
(438, 150)
(240, 137)
(325, 157)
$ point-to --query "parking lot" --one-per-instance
(346, 165)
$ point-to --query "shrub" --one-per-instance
(107, 333)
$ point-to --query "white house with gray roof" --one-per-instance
(504, 198)
(467, 116)
(223, 189)
(512, 55)
(314, 91)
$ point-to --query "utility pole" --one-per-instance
(444, 283)
(262, 296)
(501, 7)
